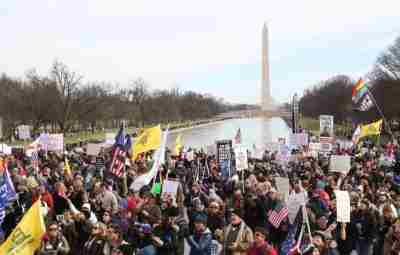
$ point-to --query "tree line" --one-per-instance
(333, 96)
(62, 101)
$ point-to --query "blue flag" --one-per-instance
(120, 138)
(7, 193)
(128, 144)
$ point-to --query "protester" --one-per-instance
(92, 210)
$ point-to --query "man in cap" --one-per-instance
(237, 236)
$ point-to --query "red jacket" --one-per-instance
(265, 249)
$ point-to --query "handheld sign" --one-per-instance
(340, 164)
(342, 206)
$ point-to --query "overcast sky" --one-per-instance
(210, 46)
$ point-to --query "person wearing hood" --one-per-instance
(201, 241)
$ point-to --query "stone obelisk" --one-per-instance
(266, 99)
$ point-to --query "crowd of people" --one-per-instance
(89, 211)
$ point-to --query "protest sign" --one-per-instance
(298, 139)
(211, 149)
(326, 126)
(295, 201)
(55, 142)
(170, 187)
(241, 158)
(315, 147)
(342, 206)
(224, 157)
(283, 186)
(272, 147)
(24, 132)
(5, 149)
(93, 149)
(110, 138)
(339, 163)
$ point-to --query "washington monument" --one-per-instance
(267, 103)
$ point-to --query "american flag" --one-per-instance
(277, 215)
(289, 246)
(35, 159)
(325, 139)
(121, 148)
(118, 162)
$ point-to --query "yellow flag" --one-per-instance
(67, 168)
(371, 129)
(178, 144)
(150, 139)
(27, 236)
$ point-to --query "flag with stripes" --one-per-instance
(118, 162)
(119, 154)
(35, 160)
(277, 215)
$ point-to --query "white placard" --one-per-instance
(257, 153)
(190, 155)
(298, 139)
(241, 158)
(342, 206)
(326, 125)
(24, 132)
(272, 147)
(55, 142)
(5, 149)
(110, 138)
(295, 201)
(283, 186)
(315, 147)
(93, 149)
(211, 149)
(170, 187)
(340, 164)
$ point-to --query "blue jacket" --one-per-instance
(200, 244)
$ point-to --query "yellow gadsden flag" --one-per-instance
(371, 129)
(178, 144)
(150, 139)
(27, 236)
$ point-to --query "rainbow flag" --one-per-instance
(359, 90)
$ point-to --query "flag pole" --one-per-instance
(380, 112)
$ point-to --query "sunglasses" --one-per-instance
(52, 229)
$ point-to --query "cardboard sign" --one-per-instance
(283, 186)
(295, 201)
(298, 139)
(241, 158)
(342, 206)
(55, 142)
(340, 164)
(93, 149)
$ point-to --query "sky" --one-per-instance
(206, 46)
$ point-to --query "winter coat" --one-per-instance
(200, 244)
(265, 249)
(243, 241)
(58, 246)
